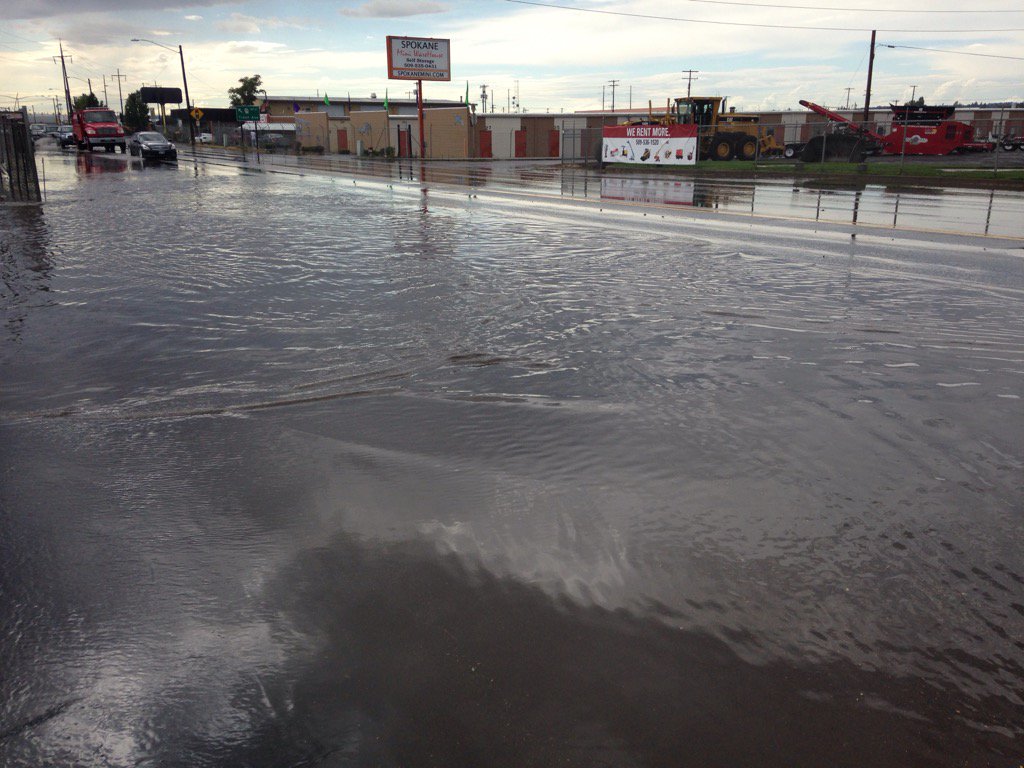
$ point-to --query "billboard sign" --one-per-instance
(650, 144)
(154, 95)
(419, 58)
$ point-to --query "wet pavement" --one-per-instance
(505, 466)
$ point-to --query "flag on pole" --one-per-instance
(326, 100)
(385, 99)
(295, 106)
(467, 93)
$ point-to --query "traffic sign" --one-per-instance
(196, 113)
(244, 114)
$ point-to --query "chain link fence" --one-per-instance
(814, 138)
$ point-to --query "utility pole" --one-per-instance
(871, 68)
(613, 84)
(120, 98)
(64, 71)
(848, 97)
(913, 92)
(106, 103)
(602, 98)
(689, 79)
(188, 105)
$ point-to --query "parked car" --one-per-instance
(151, 145)
(37, 130)
(66, 136)
(205, 138)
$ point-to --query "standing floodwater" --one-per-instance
(322, 471)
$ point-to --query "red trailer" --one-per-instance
(917, 130)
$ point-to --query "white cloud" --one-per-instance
(43, 9)
(392, 9)
(243, 24)
(193, 17)
(240, 24)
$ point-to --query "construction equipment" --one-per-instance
(720, 135)
(725, 135)
(916, 130)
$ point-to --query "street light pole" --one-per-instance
(184, 80)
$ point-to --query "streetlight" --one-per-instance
(184, 80)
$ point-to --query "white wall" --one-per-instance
(502, 130)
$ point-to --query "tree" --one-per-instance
(136, 112)
(86, 101)
(245, 94)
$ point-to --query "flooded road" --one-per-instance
(325, 469)
(895, 204)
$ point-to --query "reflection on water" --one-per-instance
(844, 202)
(89, 163)
(26, 266)
(336, 476)
(985, 213)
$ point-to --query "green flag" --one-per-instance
(467, 93)
(326, 100)
(385, 99)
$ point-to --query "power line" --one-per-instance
(26, 39)
(848, 10)
(748, 23)
(959, 53)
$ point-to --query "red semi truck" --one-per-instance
(97, 127)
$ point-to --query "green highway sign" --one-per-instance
(245, 114)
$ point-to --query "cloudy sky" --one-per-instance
(561, 55)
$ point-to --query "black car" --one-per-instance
(152, 145)
(65, 136)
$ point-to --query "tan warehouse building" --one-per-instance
(452, 130)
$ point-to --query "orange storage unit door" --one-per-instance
(485, 144)
(553, 143)
(342, 140)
